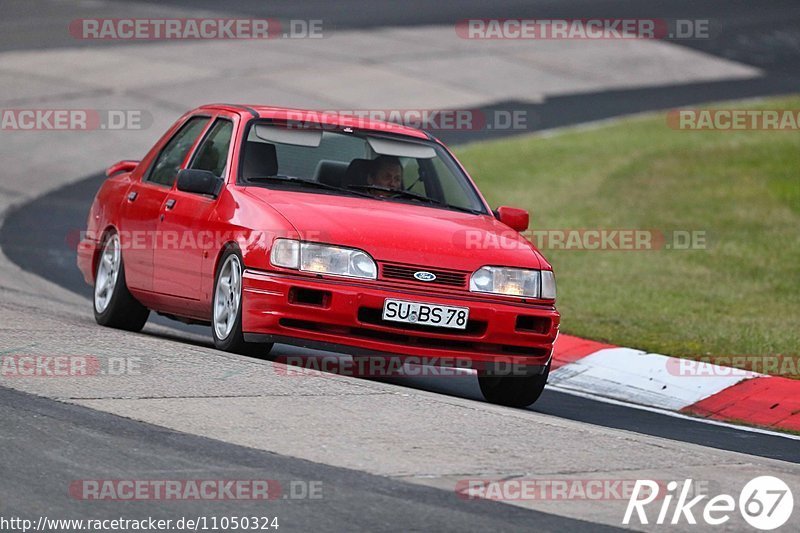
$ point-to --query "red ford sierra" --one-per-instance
(325, 231)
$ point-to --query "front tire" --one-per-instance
(513, 391)
(226, 311)
(114, 306)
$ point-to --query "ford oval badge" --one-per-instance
(424, 276)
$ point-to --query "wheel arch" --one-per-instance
(109, 229)
(229, 245)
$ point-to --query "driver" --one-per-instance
(386, 171)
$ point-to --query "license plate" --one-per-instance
(443, 316)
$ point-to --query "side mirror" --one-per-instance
(199, 181)
(516, 219)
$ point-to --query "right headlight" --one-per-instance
(323, 259)
(514, 282)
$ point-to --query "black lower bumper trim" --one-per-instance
(498, 368)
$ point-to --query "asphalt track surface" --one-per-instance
(117, 448)
(60, 440)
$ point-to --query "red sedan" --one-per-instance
(324, 231)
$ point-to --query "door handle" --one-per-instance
(170, 203)
(132, 196)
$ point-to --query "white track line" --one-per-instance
(643, 378)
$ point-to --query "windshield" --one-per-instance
(356, 163)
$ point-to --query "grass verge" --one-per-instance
(740, 294)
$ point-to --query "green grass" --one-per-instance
(739, 296)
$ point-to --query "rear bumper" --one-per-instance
(345, 315)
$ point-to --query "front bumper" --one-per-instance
(345, 315)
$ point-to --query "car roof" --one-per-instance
(324, 118)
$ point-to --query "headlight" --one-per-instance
(514, 282)
(323, 259)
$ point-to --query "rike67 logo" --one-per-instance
(766, 503)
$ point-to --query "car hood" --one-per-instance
(403, 232)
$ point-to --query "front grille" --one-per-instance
(450, 278)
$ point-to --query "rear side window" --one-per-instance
(213, 152)
(165, 168)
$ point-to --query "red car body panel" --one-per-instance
(177, 279)
(392, 231)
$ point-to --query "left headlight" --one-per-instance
(323, 259)
(514, 282)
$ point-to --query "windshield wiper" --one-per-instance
(403, 193)
(306, 182)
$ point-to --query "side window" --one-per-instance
(213, 152)
(166, 165)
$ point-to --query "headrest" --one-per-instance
(357, 171)
(331, 172)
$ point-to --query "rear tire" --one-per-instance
(114, 306)
(513, 391)
(226, 309)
